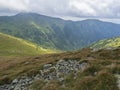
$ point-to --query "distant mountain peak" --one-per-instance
(92, 20)
(26, 13)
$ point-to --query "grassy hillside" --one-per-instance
(107, 43)
(99, 75)
(12, 46)
(57, 33)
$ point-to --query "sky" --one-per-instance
(108, 10)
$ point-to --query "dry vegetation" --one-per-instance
(98, 76)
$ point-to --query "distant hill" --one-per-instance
(56, 33)
(107, 43)
(12, 46)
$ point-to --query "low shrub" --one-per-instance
(106, 81)
(87, 83)
(91, 70)
(5, 80)
(37, 85)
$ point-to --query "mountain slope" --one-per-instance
(57, 33)
(107, 43)
(79, 70)
(12, 46)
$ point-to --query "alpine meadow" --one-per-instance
(59, 45)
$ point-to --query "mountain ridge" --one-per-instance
(57, 33)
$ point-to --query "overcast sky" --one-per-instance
(68, 9)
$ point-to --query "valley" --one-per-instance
(56, 33)
(59, 44)
(39, 52)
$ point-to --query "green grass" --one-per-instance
(12, 46)
(56, 33)
(107, 43)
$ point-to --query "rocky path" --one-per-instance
(47, 73)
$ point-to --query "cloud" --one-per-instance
(18, 5)
(64, 8)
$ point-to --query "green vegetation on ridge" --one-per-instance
(107, 43)
(12, 46)
(55, 33)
